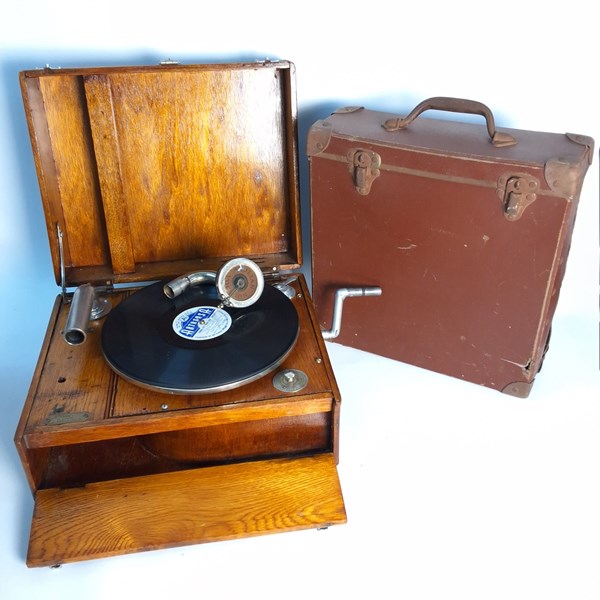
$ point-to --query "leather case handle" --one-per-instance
(458, 105)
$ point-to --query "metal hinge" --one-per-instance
(61, 258)
(364, 166)
(517, 191)
(106, 288)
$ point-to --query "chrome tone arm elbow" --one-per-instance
(178, 285)
(239, 282)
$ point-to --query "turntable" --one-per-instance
(183, 392)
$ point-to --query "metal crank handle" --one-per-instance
(338, 304)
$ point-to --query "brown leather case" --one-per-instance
(148, 173)
(466, 229)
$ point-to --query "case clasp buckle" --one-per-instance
(517, 192)
(364, 166)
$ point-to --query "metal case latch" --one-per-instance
(517, 192)
(364, 166)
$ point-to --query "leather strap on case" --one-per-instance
(458, 105)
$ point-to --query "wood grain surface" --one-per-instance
(166, 169)
(148, 173)
(187, 507)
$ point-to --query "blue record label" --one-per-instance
(201, 323)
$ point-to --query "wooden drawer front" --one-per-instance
(184, 507)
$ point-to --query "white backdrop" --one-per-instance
(451, 490)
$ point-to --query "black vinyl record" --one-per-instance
(192, 344)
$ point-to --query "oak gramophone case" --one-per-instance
(147, 174)
(465, 227)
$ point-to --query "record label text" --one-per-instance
(202, 323)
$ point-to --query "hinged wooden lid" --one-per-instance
(149, 172)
